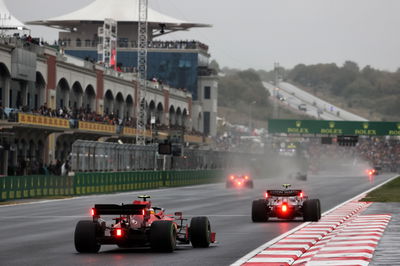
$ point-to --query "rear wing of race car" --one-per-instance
(115, 209)
(284, 193)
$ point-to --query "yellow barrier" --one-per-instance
(97, 127)
(193, 139)
(130, 131)
(38, 120)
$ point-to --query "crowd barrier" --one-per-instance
(22, 187)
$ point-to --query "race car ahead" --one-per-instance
(239, 181)
(373, 171)
(140, 224)
(286, 204)
(302, 176)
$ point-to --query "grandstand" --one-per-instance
(51, 97)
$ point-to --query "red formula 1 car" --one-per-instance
(285, 204)
(373, 171)
(140, 224)
(239, 181)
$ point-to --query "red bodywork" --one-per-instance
(371, 172)
(132, 226)
(239, 181)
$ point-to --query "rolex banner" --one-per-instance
(319, 127)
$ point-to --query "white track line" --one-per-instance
(251, 254)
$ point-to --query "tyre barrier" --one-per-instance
(23, 187)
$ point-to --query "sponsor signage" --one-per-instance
(29, 119)
(320, 127)
(97, 127)
(130, 131)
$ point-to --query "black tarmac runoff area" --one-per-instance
(42, 233)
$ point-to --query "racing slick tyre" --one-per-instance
(250, 184)
(319, 209)
(85, 237)
(258, 211)
(163, 236)
(200, 232)
(311, 210)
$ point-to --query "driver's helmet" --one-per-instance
(151, 210)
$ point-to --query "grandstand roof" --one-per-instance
(8, 20)
(119, 10)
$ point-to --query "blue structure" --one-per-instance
(177, 69)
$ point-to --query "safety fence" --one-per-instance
(22, 187)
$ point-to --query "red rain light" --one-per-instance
(266, 195)
(301, 194)
(239, 183)
(118, 232)
(246, 177)
(284, 208)
(93, 212)
(232, 177)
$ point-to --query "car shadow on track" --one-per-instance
(146, 250)
(280, 221)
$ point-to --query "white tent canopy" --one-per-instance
(7, 20)
(119, 10)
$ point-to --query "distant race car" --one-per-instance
(239, 181)
(374, 171)
(140, 224)
(302, 107)
(302, 176)
(286, 204)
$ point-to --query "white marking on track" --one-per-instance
(256, 251)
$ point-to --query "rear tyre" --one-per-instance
(259, 211)
(200, 232)
(85, 237)
(163, 236)
(311, 210)
(319, 209)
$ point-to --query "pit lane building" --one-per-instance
(180, 64)
(32, 76)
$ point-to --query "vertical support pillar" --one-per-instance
(99, 91)
(166, 106)
(6, 93)
(24, 92)
(188, 119)
(51, 97)
(4, 162)
(51, 81)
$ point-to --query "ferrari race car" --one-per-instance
(374, 171)
(286, 204)
(239, 181)
(140, 224)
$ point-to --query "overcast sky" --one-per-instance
(256, 33)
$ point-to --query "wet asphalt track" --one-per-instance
(42, 233)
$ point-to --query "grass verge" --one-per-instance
(390, 192)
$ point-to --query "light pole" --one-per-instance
(250, 115)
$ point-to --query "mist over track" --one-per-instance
(42, 233)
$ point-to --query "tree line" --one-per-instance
(367, 88)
